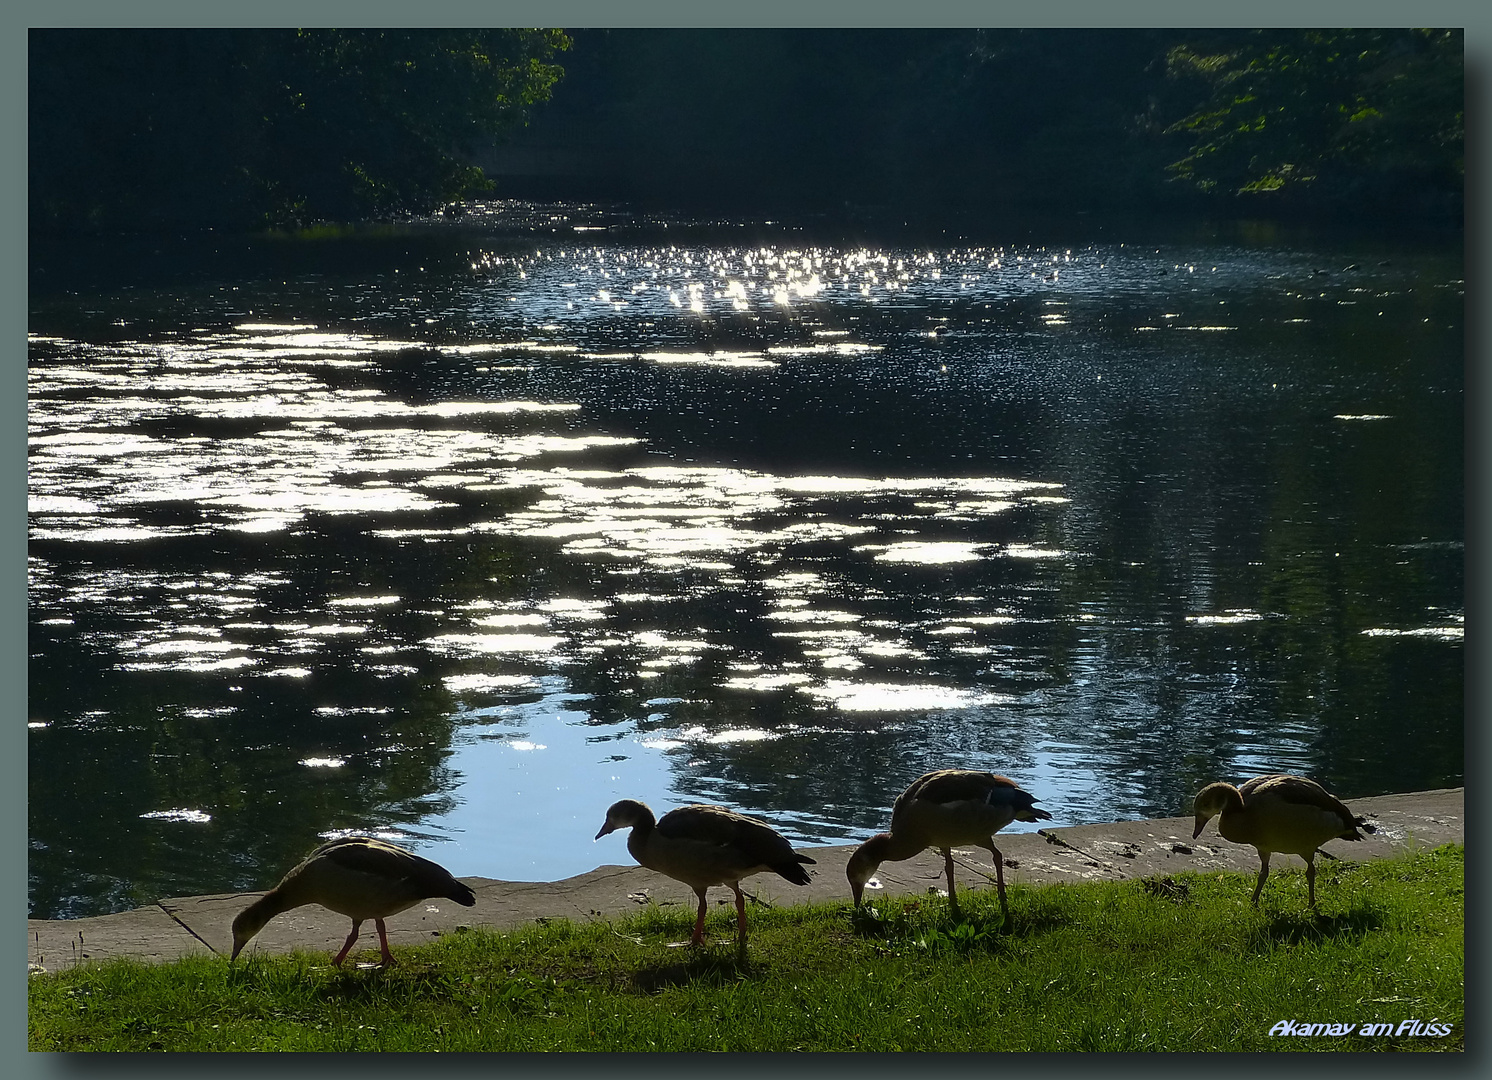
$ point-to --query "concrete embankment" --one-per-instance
(1116, 851)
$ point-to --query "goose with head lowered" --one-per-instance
(939, 810)
(359, 877)
(1281, 813)
(703, 846)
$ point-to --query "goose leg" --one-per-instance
(1263, 873)
(952, 896)
(1311, 877)
(999, 876)
(699, 923)
(740, 912)
(383, 940)
(347, 946)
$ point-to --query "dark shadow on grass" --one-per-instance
(708, 966)
(1034, 921)
(371, 984)
(1303, 925)
(350, 982)
(918, 926)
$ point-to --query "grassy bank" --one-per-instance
(1178, 963)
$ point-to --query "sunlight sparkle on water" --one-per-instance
(478, 683)
(927, 554)
(895, 697)
(1442, 633)
(712, 359)
(1229, 618)
(481, 644)
(767, 681)
(198, 817)
(1030, 551)
(526, 619)
(300, 461)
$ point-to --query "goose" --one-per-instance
(355, 876)
(1288, 814)
(939, 810)
(703, 846)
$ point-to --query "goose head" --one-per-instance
(862, 865)
(249, 922)
(624, 815)
(1213, 800)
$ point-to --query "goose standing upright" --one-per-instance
(355, 876)
(1288, 814)
(703, 846)
(941, 809)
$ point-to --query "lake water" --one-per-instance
(460, 532)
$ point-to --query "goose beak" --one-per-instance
(604, 830)
(1201, 824)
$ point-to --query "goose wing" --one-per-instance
(750, 842)
(966, 785)
(399, 869)
(1298, 791)
(717, 825)
(951, 785)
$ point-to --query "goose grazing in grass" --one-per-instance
(1288, 814)
(703, 846)
(356, 876)
(939, 810)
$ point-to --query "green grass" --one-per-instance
(1181, 963)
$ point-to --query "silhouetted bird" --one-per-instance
(703, 846)
(939, 810)
(359, 877)
(1288, 814)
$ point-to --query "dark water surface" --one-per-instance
(459, 533)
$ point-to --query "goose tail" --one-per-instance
(1025, 806)
(794, 871)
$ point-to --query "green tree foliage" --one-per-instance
(143, 128)
(1324, 114)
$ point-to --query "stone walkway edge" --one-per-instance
(184, 926)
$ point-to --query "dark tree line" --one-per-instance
(283, 127)
(824, 119)
(246, 128)
(962, 121)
